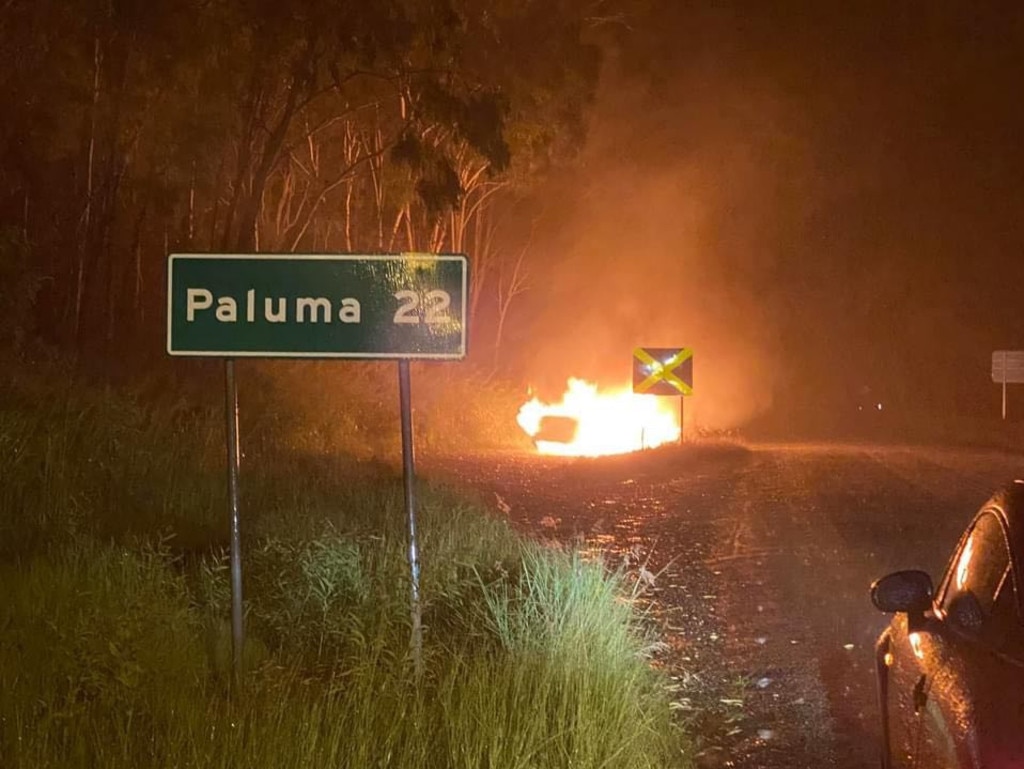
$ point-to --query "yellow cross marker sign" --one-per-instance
(663, 370)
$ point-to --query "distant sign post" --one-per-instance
(1007, 366)
(664, 371)
(404, 307)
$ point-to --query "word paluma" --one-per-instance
(275, 309)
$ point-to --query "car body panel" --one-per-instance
(951, 680)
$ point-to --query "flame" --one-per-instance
(615, 421)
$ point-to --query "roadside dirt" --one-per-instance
(738, 663)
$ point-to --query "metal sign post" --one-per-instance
(381, 306)
(1004, 385)
(665, 371)
(408, 477)
(234, 460)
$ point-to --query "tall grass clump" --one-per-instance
(569, 684)
(100, 654)
(106, 660)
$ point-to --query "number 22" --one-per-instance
(435, 305)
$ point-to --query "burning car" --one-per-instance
(591, 422)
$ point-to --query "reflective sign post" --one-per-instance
(317, 306)
(1007, 366)
(369, 307)
(665, 371)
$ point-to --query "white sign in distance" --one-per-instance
(1008, 366)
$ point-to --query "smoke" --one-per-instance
(816, 210)
(667, 236)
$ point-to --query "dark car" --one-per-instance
(951, 663)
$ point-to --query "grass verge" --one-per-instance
(115, 649)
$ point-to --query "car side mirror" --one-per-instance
(908, 591)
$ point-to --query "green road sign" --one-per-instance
(319, 306)
(663, 370)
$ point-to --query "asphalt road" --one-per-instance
(761, 558)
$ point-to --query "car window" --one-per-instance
(980, 595)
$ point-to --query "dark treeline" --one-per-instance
(137, 128)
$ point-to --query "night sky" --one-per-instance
(824, 201)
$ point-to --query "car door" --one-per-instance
(902, 669)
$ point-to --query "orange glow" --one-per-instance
(915, 645)
(963, 569)
(609, 422)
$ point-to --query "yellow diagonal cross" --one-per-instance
(663, 372)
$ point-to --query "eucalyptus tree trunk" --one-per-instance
(85, 225)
